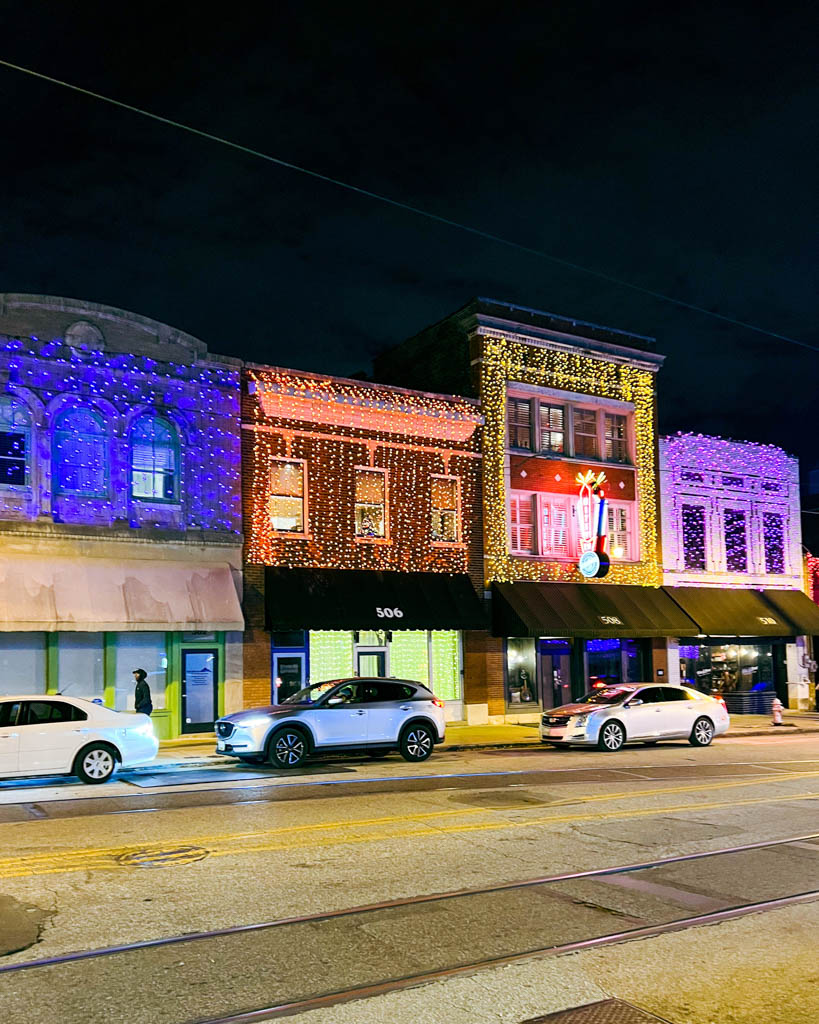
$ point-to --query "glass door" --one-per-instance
(288, 675)
(200, 689)
(371, 661)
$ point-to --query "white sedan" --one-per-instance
(614, 715)
(54, 735)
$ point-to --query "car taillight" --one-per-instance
(720, 700)
(437, 702)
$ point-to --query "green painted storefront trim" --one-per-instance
(51, 663)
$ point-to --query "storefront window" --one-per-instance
(80, 671)
(22, 663)
(140, 650)
(331, 654)
(521, 673)
(409, 655)
(446, 669)
(612, 661)
(737, 671)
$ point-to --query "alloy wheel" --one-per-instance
(419, 743)
(703, 732)
(98, 763)
(612, 736)
(289, 748)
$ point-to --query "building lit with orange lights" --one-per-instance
(573, 565)
(362, 524)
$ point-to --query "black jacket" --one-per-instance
(142, 698)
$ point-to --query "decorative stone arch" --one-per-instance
(28, 398)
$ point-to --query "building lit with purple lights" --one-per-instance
(733, 560)
(120, 511)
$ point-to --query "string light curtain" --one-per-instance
(506, 361)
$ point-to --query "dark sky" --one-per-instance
(673, 148)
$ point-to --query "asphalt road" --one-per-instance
(83, 870)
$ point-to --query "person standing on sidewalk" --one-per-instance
(142, 694)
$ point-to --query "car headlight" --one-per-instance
(252, 723)
(581, 720)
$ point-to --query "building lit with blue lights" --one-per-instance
(120, 511)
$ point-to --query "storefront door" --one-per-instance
(371, 661)
(555, 673)
(288, 675)
(200, 689)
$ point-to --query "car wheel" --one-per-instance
(287, 749)
(702, 733)
(417, 743)
(95, 764)
(612, 736)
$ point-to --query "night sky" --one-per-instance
(673, 149)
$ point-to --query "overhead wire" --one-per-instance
(407, 207)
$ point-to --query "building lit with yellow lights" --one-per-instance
(572, 564)
(362, 524)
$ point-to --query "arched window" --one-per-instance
(80, 454)
(154, 459)
(15, 442)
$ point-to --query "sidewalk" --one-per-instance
(465, 737)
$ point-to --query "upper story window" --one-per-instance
(585, 434)
(154, 459)
(773, 536)
(616, 438)
(520, 423)
(522, 523)
(15, 442)
(693, 535)
(80, 454)
(287, 496)
(736, 541)
(619, 532)
(552, 428)
(445, 509)
(370, 502)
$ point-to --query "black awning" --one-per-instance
(585, 610)
(723, 611)
(797, 608)
(364, 599)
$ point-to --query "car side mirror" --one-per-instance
(333, 701)
(634, 703)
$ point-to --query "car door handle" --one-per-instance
(358, 712)
(405, 707)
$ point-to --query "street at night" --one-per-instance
(91, 872)
(409, 514)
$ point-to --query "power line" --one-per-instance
(408, 207)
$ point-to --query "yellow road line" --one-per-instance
(106, 860)
(215, 839)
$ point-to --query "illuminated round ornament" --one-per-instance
(589, 564)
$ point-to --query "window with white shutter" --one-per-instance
(521, 523)
(619, 539)
(554, 528)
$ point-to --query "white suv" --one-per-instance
(376, 715)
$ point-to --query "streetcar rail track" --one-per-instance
(410, 901)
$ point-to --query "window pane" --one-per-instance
(520, 423)
(369, 520)
(521, 522)
(22, 663)
(287, 514)
(616, 447)
(693, 524)
(154, 469)
(773, 530)
(736, 545)
(585, 433)
(618, 521)
(409, 655)
(446, 674)
(552, 428)
(521, 672)
(444, 527)
(287, 479)
(444, 492)
(80, 664)
(13, 445)
(140, 650)
(369, 486)
(331, 654)
(80, 454)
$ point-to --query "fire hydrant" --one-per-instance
(776, 708)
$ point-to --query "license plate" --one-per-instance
(220, 745)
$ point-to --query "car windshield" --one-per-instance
(607, 695)
(310, 694)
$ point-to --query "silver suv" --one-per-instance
(376, 715)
